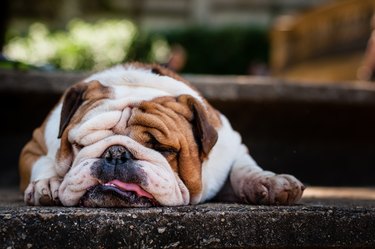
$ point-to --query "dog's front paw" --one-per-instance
(270, 189)
(43, 192)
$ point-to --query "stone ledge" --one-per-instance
(315, 223)
(213, 87)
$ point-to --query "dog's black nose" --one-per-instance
(118, 163)
(116, 155)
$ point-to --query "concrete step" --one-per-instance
(325, 218)
(213, 87)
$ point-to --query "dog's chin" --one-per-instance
(105, 195)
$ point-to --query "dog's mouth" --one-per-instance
(117, 194)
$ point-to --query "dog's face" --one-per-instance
(123, 146)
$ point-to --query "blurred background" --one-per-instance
(311, 39)
(317, 42)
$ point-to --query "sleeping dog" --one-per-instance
(138, 136)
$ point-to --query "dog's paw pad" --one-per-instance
(273, 190)
(43, 192)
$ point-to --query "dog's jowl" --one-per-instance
(131, 137)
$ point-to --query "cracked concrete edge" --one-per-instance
(314, 223)
(213, 87)
(209, 225)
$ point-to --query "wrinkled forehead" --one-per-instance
(120, 98)
(109, 96)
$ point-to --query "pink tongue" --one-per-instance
(131, 187)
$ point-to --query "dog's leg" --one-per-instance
(44, 184)
(39, 179)
(253, 185)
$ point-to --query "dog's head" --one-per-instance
(132, 146)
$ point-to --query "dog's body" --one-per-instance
(139, 135)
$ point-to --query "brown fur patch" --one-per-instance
(166, 124)
(31, 152)
(213, 115)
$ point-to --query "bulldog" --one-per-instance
(138, 136)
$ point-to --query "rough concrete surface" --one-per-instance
(314, 223)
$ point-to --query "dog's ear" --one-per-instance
(76, 95)
(205, 134)
(164, 71)
(73, 99)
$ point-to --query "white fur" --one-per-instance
(143, 80)
(44, 167)
(220, 160)
(76, 182)
(52, 130)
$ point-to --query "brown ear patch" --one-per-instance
(205, 134)
(72, 101)
(75, 96)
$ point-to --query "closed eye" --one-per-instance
(163, 149)
(152, 141)
(76, 148)
(166, 151)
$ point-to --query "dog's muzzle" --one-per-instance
(120, 180)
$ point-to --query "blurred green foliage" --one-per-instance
(85, 46)
(230, 50)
